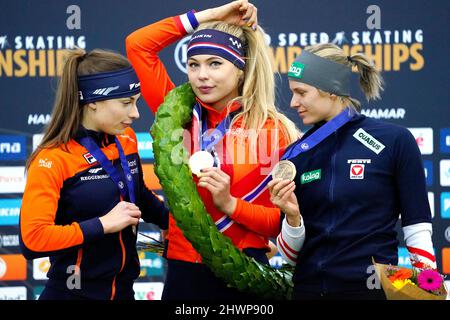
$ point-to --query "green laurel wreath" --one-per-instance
(217, 250)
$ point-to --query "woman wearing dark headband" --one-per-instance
(354, 177)
(231, 75)
(85, 191)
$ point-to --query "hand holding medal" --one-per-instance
(281, 190)
(200, 160)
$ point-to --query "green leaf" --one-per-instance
(217, 251)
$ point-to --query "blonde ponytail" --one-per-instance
(370, 79)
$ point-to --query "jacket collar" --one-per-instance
(101, 139)
(215, 117)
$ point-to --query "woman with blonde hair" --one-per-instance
(231, 74)
(85, 191)
(354, 177)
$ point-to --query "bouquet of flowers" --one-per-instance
(401, 283)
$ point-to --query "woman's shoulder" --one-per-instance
(388, 128)
(51, 158)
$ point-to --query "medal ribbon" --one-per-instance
(126, 189)
(301, 146)
(206, 142)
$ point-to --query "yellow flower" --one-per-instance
(398, 284)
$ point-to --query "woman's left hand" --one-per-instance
(218, 183)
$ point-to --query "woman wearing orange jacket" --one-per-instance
(231, 75)
(85, 190)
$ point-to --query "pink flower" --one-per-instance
(429, 280)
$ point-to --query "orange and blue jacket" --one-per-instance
(254, 222)
(65, 194)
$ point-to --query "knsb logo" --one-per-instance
(356, 171)
(180, 54)
(12, 147)
(311, 176)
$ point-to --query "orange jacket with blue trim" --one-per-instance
(253, 223)
(65, 194)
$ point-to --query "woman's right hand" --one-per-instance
(240, 13)
(121, 216)
(282, 195)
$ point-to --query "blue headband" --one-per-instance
(108, 85)
(218, 43)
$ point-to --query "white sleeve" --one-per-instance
(290, 241)
(419, 244)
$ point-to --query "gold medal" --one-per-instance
(284, 170)
(200, 160)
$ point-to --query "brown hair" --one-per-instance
(67, 111)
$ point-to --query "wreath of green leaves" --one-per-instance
(217, 250)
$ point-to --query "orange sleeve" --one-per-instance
(39, 234)
(261, 219)
(143, 46)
